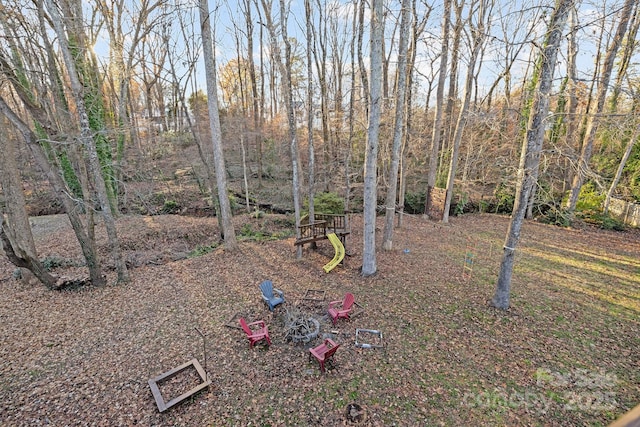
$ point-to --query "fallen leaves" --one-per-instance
(84, 356)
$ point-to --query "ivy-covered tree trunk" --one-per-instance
(87, 244)
(87, 140)
(15, 234)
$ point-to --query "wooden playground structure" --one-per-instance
(325, 226)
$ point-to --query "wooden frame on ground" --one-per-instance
(314, 295)
(154, 383)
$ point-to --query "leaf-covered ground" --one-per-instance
(566, 353)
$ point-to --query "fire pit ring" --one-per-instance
(300, 327)
(312, 334)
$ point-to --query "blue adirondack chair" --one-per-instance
(269, 296)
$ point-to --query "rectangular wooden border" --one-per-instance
(309, 295)
(155, 390)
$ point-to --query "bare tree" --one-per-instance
(123, 45)
(339, 38)
(369, 266)
(189, 47)
(287, 90)
(571, 119)
(593, 119)
(478, 35)
(256, 112)
(228, 231)
(352, 102)
(416, 29)
(531, 148)
(318, 49)
(310, 38)
(628, 49)
(452, 74)
(516, 30)
(363, 70)
(401, 91)
(437, 122)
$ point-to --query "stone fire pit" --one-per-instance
(300, 327)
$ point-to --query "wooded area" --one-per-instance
(401, 109)
(394, 107)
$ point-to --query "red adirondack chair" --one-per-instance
(324, 352)
(259, 331)
(344, 310)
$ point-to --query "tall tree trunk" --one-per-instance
(204, 154)
(531, 149)
(452, 93)
(319, 51)
(417, 29)
(369, 266)
(352, 94)
(629, 48)
(255, 107)
(87, 245)
(309, 27)
(363, 70)
(86, 138)
(571, 119)
(287, 90)
(226, 222)
(401, 91)
(286, 69)
(262, 73)
(437, 122)
(478, 40)
(17, 240)
(593, 120)
(338, 41)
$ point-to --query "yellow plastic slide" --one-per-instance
(337, 245)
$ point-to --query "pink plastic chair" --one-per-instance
(344, 310)
(259, 332)
(324, 352)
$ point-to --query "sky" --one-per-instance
(521, 23)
